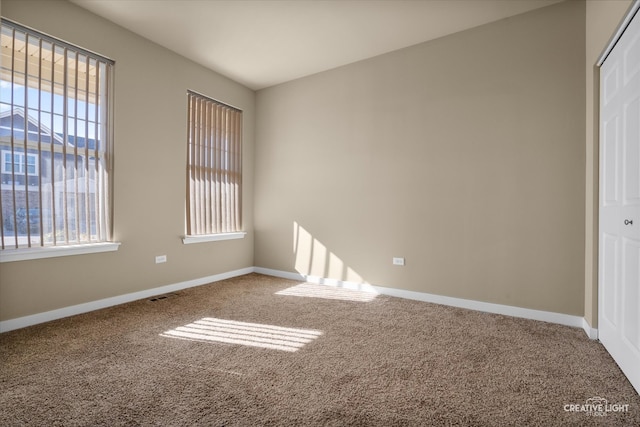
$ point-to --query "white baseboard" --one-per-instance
(279, 273)
(545, 316)
(317, 280)
(507, 310)
(591, 332)
(23, 322)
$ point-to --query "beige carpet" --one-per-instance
(257, 350)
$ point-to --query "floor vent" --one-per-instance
(161, 297)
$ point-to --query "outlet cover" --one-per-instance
(160, 259)
(398, 261)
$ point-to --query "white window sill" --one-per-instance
(10, 255)
(187, 240)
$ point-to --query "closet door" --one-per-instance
(619, 246)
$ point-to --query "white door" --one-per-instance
(619, 246)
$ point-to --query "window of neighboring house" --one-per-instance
(55, 142)
(214, 169)
(21, 164)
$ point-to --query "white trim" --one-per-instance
(592, 333)
(356, 286)
(10, 255)
(508, 310)
(187, 240)
(545, 316)
(628, 16)
(23, 322)
(526, 313)
(279, 273)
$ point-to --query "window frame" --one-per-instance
(98, 207)
(22, 164)
(214, 183)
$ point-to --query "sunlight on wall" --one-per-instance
(328, 292)
(225, 331)
(312, 258)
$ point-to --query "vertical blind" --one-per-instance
(54, 141)
(214, 167)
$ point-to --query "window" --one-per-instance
(54, 142)
(214, 168)
(21, 164)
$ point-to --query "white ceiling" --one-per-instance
(261, 43)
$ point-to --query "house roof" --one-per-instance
(15, 119)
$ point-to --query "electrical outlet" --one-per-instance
(160, 259)
(398, 261)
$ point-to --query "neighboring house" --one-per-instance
(39, 183)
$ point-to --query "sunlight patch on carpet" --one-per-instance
(311, 290)
(210, 329)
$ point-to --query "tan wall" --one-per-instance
(603, 17)
(150, 158)
(465, 155)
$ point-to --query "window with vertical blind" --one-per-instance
(55, 142)
(214, 170)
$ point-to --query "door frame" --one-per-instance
(616, 36)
